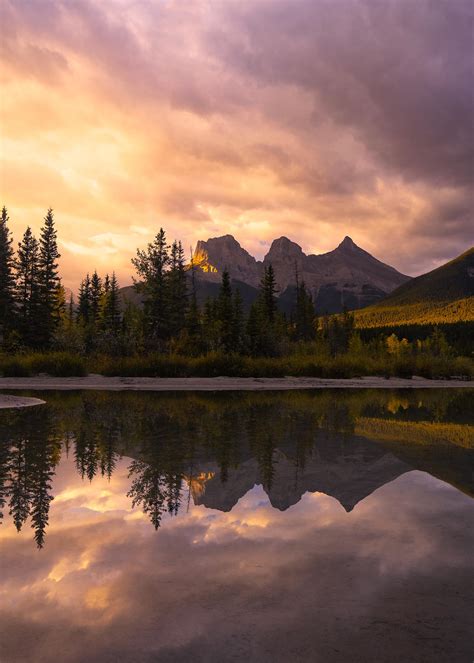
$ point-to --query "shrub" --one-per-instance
(59, 364)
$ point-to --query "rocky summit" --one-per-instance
(347, 277)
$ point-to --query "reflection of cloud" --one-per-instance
(207, 118)
(254, 580)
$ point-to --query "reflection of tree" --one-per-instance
(171, 436)
(5, 454)
(152, 491)
(19, 484)
(155, 488)
(97, 438)
(28, 459)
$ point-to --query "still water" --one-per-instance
(329, 527)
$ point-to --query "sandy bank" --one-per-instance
(221, 384)
(7, 401)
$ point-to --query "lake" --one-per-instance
(325, 526)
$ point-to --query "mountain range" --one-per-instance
(347, 277)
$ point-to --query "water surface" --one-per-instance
(296, 526)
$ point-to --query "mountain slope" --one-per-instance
(347, 277)
(443, 295)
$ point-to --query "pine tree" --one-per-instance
(27, 290)
(225, 311)
(177, 294)
(305, 316)
(96, 293)
(151, 265)
(265, 326)
(48, 282)
(111, 313)
(106, 284)
(268, 291)
(7, 278)
(84, 308)
(193, 318)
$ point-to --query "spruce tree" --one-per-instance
(193, 317)
(268, 292)
(84, 306)
(111, 313)
(27, 290)
(49, 281)
(96, 293)
(151, 266)
(225, 311)
(305, 316)
(7, 278)
(177, 294)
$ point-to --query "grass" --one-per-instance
(63, 364)
(59, 364)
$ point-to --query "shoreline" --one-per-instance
(16, 402)
(101, 383)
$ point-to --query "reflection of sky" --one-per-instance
(316, 583)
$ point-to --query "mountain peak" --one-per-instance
(225, 252)
(284, 248)
(348, 244)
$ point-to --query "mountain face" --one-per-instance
(443, 295)
(452, 281)
(220, 253)
(347, 277)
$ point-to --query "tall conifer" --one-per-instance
(151, 266)
(27, 293)
(49, 281)
(7, 279)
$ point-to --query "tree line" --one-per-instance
(34, 313)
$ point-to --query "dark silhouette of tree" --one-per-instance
(20, 488)
(194, 345)
(268, 292)
(27, 294)
(5, 464)
(49, 282)
(151, 266)
(7, 277)
(84, 307)
(43, 462)
(176, 291)
(111, 311)
(305, 315)
(31, 460)
(225, 312)
(148, 490)
(96, 293)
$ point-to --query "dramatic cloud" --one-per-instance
(309, 119)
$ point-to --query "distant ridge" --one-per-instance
(444, 295)
(346, 277)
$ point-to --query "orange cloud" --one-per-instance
(135, 115)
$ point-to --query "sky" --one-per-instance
(258, 118)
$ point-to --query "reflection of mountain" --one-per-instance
(346, 445)
(444, 450)
(349, 475)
